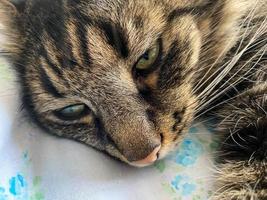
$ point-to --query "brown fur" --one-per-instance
(213, 61)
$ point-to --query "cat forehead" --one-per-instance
(70, 33)
(113, 17)
(77, 30)
(136, 12)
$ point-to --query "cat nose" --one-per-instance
(151, 158)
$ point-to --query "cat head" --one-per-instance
(116, 75)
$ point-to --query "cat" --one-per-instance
(128, 77)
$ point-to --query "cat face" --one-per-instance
(116, 75)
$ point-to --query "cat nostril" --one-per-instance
(151, 158)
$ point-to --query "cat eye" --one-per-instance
(73, 112)
(149, 58)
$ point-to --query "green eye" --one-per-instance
(72, 112)
(149, 58)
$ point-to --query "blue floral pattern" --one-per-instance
(185, 185)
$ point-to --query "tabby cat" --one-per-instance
(128, 77)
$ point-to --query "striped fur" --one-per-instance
(212, 64)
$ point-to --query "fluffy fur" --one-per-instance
(212, 64)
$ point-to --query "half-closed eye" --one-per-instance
(149, 58)
(72, 112)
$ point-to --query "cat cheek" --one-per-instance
(174, 124)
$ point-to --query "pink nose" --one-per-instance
(149, 159)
